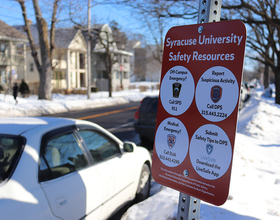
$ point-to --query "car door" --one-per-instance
(98, 146)
(71, 184)
(106, 153)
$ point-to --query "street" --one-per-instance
(117, 119)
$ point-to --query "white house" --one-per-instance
(12, 55)
(121, 58)
(69, 61)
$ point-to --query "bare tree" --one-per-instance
(47, 46)
(262, 18)
(109, 41)
(105, 38)
(157, 16)
(119, 36)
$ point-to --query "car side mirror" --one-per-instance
(128, 146)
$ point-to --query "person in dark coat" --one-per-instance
(23, 88)
(15, 92)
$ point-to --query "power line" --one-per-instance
(6, 16)
(12, 9)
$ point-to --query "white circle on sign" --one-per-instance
(171, 142)
(210, 152)
(177, 90)
(217, 93)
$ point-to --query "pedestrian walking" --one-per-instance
(15, 92)
(23, 88)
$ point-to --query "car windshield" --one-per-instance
(10, 151)
(150, 104)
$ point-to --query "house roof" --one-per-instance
(34, 32)
(63, 36)
(9, 32)
(95, 30)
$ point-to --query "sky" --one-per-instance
(255, 179)
(10, 12)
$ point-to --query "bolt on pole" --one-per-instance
(209, 11)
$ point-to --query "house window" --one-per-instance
(117, 75)
(31, 67)
(82, 61)
(102, 75)
(73, 62)
(125, 60)
(58, 75)
(2, 47)
(125, 75)
(3, 77)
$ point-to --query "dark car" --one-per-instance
(145, 118)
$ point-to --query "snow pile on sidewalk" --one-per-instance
(31, 106)
(255, 181)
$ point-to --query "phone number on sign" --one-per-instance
(217, 114)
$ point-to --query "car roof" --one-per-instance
(19, 125)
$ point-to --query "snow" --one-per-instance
(255, 180)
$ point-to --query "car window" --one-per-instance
(10, 151)
(61, 155)
(149, 105)
(100, 147)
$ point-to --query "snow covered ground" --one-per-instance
(255, 181)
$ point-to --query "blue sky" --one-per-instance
(10, 12)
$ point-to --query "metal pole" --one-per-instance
(188, 206)
(209, 11)
(89, 53)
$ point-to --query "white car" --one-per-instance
(55, 168)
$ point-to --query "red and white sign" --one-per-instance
(198, 108)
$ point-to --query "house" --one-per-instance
(12, 56)
(147, 63)
(120, 60)
(69, 61)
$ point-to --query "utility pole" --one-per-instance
(188, 206)
(89, 52)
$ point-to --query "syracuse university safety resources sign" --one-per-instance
(198, 108)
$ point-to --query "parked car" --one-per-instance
(55, 168)
(245, 92)
(145, 118)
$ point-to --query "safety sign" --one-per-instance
(198, 108)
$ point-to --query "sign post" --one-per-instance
(198, 108)
(188, 206)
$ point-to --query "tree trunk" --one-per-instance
(277, 86)
(46, 67)
(45, 79)
(266, 76)
(109, 70)
(110, 79)
(110, 84)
